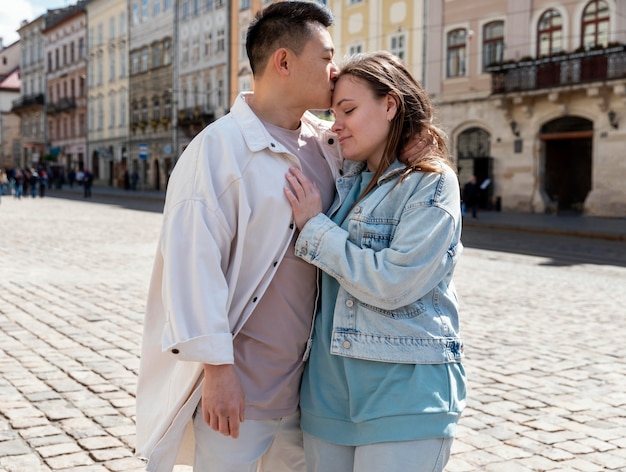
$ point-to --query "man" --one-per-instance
(230, 306)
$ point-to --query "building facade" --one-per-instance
(153, 132)
(201, 78)
(31, 105)
(10, 132)
(108, 94)
(66, 83)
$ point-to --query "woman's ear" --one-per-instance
(392, 106)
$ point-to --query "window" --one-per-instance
(196, 7)
(112, 110)
(100, 35)
(111, 29)
(208, 5)
(244, 5)
(156, 55)
(72, 52)
(81, 48)
(144, 60)
(111, 67)
(135, 113)
(144, 111)
(65, 54)
(167, 52)
(398, 45)
(549, 33)
(595, 25)
(221, 45)
(50, 62)
(156, 109)
(122, 63)
(167, 108)
(100, 111)
(455, 63)
(185, 10)
(167, 4)
(208, 44)
(355, 49)
(144, 10)
(122, 108)
(122, 24)
(99, 69)
(134, 66)
(493, 43)
(156, 8)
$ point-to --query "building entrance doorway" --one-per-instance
(567, 162)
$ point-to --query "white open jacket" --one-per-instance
(226, 226)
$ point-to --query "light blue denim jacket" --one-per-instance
(397, 301)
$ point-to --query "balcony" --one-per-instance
(559, 70)
(193, 120)
(64, 105)
(27, 101)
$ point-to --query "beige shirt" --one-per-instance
(270, 346)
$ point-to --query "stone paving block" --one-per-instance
(80, 428)
(58, 449)
(582, 465)
(48, 440)
(608, 460)
(57, 410)
(506, 467)
(67, 461)
(88, 468)
(109, 454)
(125, 464)
(29, 422)
(14, 447)
(99, 442)
(23, 463)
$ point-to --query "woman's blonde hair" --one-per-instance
(385, 74)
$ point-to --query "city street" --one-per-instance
(547, 379)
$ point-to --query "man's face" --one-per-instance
(316, 71)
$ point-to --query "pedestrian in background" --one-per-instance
(470, 196)
(87, 180)
(384, 387)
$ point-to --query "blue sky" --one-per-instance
(12, 12)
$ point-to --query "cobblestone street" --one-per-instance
(547, 389)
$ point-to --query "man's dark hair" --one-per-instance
(283, 24)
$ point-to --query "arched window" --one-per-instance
(456, 53)
(549, 33)
(595, 24)
(493, 43)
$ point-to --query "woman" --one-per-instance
(384, 386)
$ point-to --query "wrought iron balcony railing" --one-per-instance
(560, 70)
(27, 101)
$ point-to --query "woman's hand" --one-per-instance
(304, 197)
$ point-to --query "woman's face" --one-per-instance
(361, 120)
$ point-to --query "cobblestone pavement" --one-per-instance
(547, 389)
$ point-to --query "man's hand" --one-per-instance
(223, 400)
(416, 148)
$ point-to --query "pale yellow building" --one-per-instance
(108, 84)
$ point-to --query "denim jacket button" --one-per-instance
(349, 303)
(346, 344)
(357, 209)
